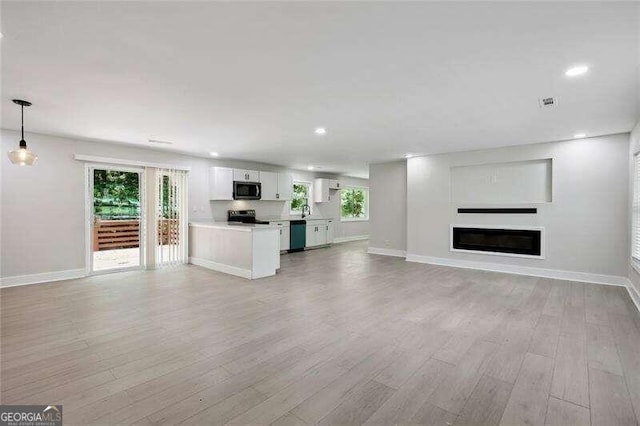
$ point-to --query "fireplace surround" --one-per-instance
(498, 240)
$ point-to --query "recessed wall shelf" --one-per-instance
(524, 210)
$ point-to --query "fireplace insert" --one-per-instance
(526, 242)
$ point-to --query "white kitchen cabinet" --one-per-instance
(269, 181)
(316, 233)
(331, 233)
(242, 175)
(220, 183)
(321, 192)
(321, 235)
(285, 186)
(285, 235)
(276, 186)
(325, 189)
(335, 184)
(310, 240)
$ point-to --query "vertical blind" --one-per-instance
(635, 238)
(172, 213)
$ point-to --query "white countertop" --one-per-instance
(235, 226)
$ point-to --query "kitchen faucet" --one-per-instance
(307, 208)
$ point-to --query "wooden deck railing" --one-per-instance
(168, 231)
(116, 234)
(121, 234)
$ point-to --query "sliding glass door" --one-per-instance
(115, 221)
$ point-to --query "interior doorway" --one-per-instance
(115, 204)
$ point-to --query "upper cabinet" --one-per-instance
(334, 184)
(221, 183)
(321, 187)
(269, 181)
(285, 186)
(276, 186)
(241, 175)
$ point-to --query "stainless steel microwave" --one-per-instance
(247, 190)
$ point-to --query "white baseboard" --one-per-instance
(220, 267)
(633, 294)
(523, 270)
(387, 252)
(43, 277)
(339, 240)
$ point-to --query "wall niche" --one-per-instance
(518, 182)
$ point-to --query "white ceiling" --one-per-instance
(252, 80)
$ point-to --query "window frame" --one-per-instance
(309, 186)
(635, 214)
(365, 218)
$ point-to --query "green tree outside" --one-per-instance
(116, 195)
(300, 197)
(353, 202)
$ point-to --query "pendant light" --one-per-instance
(22, 156)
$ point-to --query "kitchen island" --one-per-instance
(245, 250)
(319, 231)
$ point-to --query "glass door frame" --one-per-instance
(90, 216)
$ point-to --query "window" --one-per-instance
(635, 237)
(354, 204)
(301, 196)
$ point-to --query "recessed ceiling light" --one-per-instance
(310, 167)
(576, 71)
(213, 154)
(320, 131)
(579, 135)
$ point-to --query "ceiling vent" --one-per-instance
(160, 142)
(548, 102)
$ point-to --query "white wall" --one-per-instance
(388, 207)
(42, 212)
(586, 224)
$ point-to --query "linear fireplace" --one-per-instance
(506, 241)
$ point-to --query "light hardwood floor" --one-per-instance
(337, 337)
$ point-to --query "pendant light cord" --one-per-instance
(23, 143)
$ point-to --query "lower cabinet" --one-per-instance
(330, 231)
(285, 235)
(317, 233)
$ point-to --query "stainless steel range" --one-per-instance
(244, 216)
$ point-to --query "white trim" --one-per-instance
(121, 161)
(220, 267)
(387, 252)
(354, 219)
(522, 270)
(633, 294)
(543, 242)
(43, 277)
(339, 240)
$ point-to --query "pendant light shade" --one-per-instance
(22, 156)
